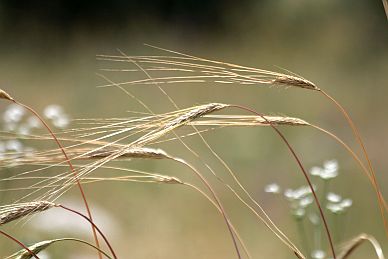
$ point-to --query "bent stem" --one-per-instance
(94, 226)
(270, 225)
(303, 171)
(86, 243)
(265, 219)
(20, 243)
(357, 135)
(71, 168)
(355, 157)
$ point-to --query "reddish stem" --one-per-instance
(304, 173)
(363, 148)
(20, 243)
(71, 168)
(94, 226)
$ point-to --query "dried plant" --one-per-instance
(13, 212)
(102, 143)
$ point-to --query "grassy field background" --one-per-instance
(48, 56)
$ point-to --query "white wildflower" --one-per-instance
(332, 197)
(272, 188)
(318, 254)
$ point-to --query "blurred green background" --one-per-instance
(48, 56)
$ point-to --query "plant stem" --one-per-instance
(94, 226)
(303, 171)
(303, 236)
(357, 135)
(71, 168)
(20, 243)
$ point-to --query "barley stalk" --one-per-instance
(13, 212)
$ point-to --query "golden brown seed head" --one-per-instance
(194, 114)
(295, 81)
(16, 211)
(133, 152)
(5, 95)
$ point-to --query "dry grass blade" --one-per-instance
(13, 212)
(357, 242)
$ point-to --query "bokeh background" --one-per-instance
(48, 56)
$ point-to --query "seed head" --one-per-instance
(5, 95)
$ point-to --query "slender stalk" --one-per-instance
(20, 243)
(270, 225)
(86, 243)
(357, 135)
(304, 173)
(303, 236)
(44, 244)
(94, 226)
(355, 157)
(184, 162)
(71, 168)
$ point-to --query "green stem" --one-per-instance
(303, 236)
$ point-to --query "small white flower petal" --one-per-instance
(316, 171)
(14, 113)
(272, 188)
(346, 203)
(53, 111)
(331, 165)
(318, 254)
(306, 201)
(33, 122)
(289, 194)
(332, 197)
(335, 208)
(61, 122)
(326, 175)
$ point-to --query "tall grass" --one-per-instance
(101, 143)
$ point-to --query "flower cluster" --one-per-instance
(57, 116)
(301, 198)
(327, 172)
(15, 120)
(336, 204)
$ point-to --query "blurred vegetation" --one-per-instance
(48, 50)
